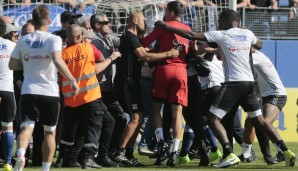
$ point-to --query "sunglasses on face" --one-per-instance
(104, 22)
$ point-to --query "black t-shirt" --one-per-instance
(128, 67)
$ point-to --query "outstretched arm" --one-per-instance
(183, 33)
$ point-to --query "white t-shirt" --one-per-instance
(216, 75)
(6, 75)
(40, 74)
(267, 76)
(235, 44)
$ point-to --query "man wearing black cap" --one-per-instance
(66, 18)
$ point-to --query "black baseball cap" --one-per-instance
(67, 16)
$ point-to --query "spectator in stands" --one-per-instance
(83, 4)
(253, 4)
(293, 6)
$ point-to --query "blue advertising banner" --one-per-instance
(21, 14)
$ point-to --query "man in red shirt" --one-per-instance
(170, 81)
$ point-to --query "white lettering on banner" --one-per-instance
(212, 18)
(56, 21)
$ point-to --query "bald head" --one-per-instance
(7, 19)
(136, 21)
(74, 33)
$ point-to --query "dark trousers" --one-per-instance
(83, 121)
(119, 116)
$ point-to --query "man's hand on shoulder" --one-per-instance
(160, 24)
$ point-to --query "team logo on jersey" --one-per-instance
(238, 38)
(36, 44)
(3, 47)
(233, 49)
(4, 56)
(179, 45)
(35, 57)
(269, 65)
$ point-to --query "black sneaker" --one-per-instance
(59, 162)
(135, 162)
(70, 163)
(279, 157)
(161, 152)
(90, 163)
(120, 158)
(172, 159)
(106, 161)
(269, 159)
(251, 158)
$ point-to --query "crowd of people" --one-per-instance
(87, 93)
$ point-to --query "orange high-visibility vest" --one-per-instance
(81, 62)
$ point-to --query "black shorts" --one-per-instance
(276, 100)
(44, 109)
(208, 96)
(129, 97)
(238, 93)
(7, 106)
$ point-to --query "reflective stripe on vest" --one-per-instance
(84, 77)
(84, 89)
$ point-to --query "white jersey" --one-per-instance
(267, 76)
(40, 74)
(6, 75)
(216, 75)
(235, 44)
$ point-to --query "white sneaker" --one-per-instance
(20, 164)
(230, 160)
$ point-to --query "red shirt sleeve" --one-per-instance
(97, 54)
(154, 35)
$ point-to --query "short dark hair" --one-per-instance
(229, 15)
(2, 28)
(40, 15)
(176, 7)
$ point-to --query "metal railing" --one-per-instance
(264, 22)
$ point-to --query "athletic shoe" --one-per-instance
(184, 160)
(135, 162)
(90, 163)
(279, 157)
(249, 159)
(144, 151)
(161, 152)
(269, 159)
(8, 167)
(290, 158)
(193, 154)
(230, 160)
(106, 161)
(172, 159)
(214, 156)
(20, 163)
(120, 158)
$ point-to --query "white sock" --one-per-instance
(277, 148)
(46, 166)
(246, 149)
(159, 134)
(176, 143)
(21, 152)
